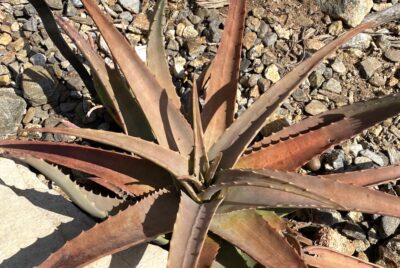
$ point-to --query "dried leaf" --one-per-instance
(190, 231)
(165, 158)
(336, 195)
(327, 258)
(170, 127)
(208, 253)
(239, 135)
(294, 146)
(130, 174)
(251, 233)
(220, 95)
(137, 224)
(156, 56)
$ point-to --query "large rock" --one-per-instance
(39, 86)
(351, 11)
(12, 108)
(36, 221)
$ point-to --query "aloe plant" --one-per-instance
(206, 183)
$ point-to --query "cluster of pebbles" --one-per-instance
(39, 87)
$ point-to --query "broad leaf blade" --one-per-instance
(137, 224)
(251, 233)
(239, 135)
(156, 56)
(170, 127)
(170, 160)
(54, 33)
(336, 195)
(368, 177)
(294, 146)
(327, 258)
(190, 231)
(68, 186)
(128, 173)
(220, 95)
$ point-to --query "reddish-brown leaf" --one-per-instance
(220, 95)
(165, 158)
(170, 127)
(368, 177)
(131, 174)
(254, 189)
(323, 257)
(294, 146)
(139, 223)
(239, 135)
(190, 231)
(251, 233)
(156, 56)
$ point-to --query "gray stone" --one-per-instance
(39, 86)
(270, 39)
(373, 236)
(376, 158)
(351, 11)
(389, 225)
(315, 107)
(126, 15)
(77, 3)
(328, 217)
(363, 162)
(333, 85)
(38, 59)
(393, 55)
(355, 149)
(55, 4)
(316, 79)
(361, 41)
(354, 231)
(370, 65)
(12, 108)
(179, 67)
(394, 155)
(335, 159)
(30, 25)
(131, 5)
(339, 67)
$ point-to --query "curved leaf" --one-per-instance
(220, 95)
(170, 127)
(137, 224)
(130, 174)
(239, 135)
(54, 33)
(327, 193)
(294, 146)
(156, 56)
(170, 160)
(208, 253)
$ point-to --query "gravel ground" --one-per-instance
(38, 87)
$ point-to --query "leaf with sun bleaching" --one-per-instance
(238, 136)
(322, 257)
(139, 223)
(294, 146)
(131, 174)
(156, 56)
(249, 231)
(190, 231)
(220, 93)
(260, 193)
(72, 190)
(165, 158)
(168, 124)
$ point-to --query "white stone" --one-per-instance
(131, 5)
(272, 73)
